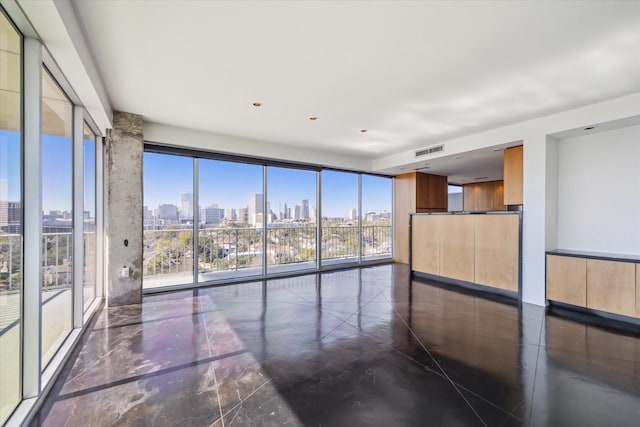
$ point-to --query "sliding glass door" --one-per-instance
(340, 217)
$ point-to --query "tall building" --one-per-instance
(231, 215)
(243, 215)
(213, 214)
(305, 209)
(297, 213)
(256, 205)
(353, 214)
(186, 206)
(312, 214)
(167, 212)
(282, 213)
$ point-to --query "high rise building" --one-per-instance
(243, 215)
(305, 209)
(256, 204)
(312, 214)
(186, 206)
(167, 212)
(297, 212)
(213, 214)
(353, 214)
(230, 215)
(282, 212)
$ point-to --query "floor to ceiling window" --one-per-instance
(89, 225)
(340, 217)
(377, 202)
(168, 220)
(229, 242)
(57, 223)
(290, 218)
(10, 218)
(244, 217)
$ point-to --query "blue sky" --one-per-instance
(228, 184)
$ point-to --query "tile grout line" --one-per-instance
(535, 373)
(213, 368)
(438, 365)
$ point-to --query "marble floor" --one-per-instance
(358, 347)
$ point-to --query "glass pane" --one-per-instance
(168, 220)
(377, 199)
(339, 217)
(229, 245)
(89, 225)
(455, 198)
(291, 219)
(10, 219)
(57, 223)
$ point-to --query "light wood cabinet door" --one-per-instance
(496, 251)
(425, 244)
(485, 196)
(470, 197)
(457, 247)
(513, 176)
(498, 196)
(567, 280)
(611, 286)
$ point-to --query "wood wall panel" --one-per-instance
(483, 196)
(426, 243)
(513, 168)
(457, 247)
(496, 251)
(611, 286)
(404, 203)
(567, 280)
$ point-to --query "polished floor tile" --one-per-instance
(357, 347)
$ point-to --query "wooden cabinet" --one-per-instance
(611, 286)
(497, 251)
(513, 176)
(567, 280)
(415, 192)
(482, 249)
(483, 196)
(457, 247)
(425, 243)
(431, 192)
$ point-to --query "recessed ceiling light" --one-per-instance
(589, 128)
(458, 157)
(313, 118)
(363, 130)
(257, 104)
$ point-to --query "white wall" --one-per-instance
(599, 192)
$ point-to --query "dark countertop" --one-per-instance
(468, 213)
(606, 256)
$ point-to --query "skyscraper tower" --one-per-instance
(256, 202)
(305, 209)
(186, 206)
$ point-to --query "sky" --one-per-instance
(57, 184)
(228, 184)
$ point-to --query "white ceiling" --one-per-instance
(412, 73)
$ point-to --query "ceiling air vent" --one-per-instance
(430, 150)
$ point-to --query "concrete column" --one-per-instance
(123, 210)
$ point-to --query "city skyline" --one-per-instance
(238, 180)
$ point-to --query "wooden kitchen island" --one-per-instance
(479, 250)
